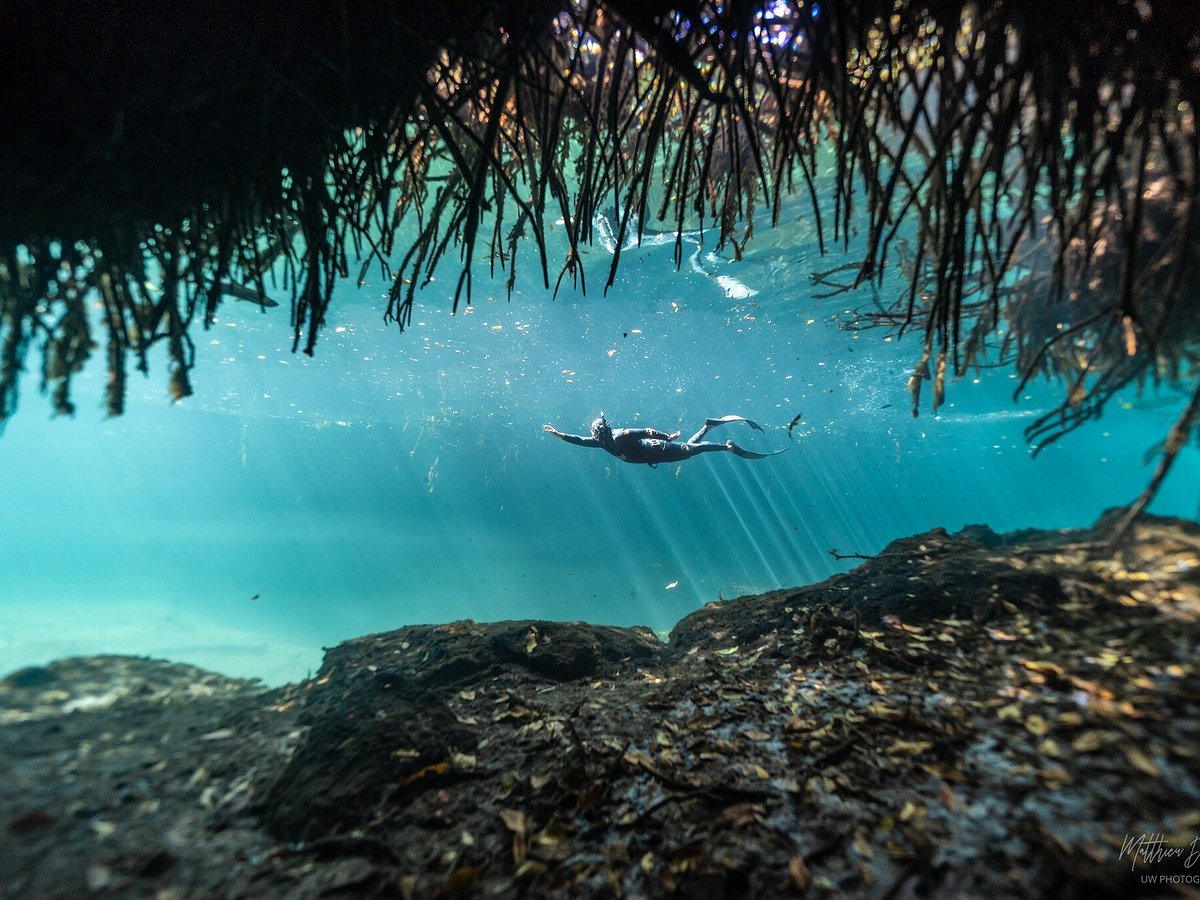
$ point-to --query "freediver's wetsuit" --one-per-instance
(651, 447)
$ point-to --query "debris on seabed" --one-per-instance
(971, 714)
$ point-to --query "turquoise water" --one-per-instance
(405, 478)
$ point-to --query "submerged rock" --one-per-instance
(364, 757)
(918, 579)
(465, 652)
(968, 715)
(381, 730)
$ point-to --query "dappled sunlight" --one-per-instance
(405, 478)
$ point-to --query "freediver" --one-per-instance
(651, 447)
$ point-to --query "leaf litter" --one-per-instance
(971, 714)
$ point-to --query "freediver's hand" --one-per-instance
(551, 429)
(673, 435)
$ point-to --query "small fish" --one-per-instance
(671, 585)
(793, 424)
(255, 596)
(245, 294)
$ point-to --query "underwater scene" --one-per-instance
(594, 450)
(404, 478)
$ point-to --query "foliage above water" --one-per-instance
(1035, 177)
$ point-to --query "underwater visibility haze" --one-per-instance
(400, 478)
(323, 605)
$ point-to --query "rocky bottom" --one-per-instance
(969, 714)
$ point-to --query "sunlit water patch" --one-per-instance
(395, 479)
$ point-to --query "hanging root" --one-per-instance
(1176, 439)
(1036, 182)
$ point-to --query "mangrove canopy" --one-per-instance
(1031, 171)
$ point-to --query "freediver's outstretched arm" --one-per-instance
(571, 438)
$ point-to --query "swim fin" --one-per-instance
(751, 454)
(713, 423)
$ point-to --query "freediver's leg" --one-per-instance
(691, 448)
(694, 447)
(749, 454)
(721, 420)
